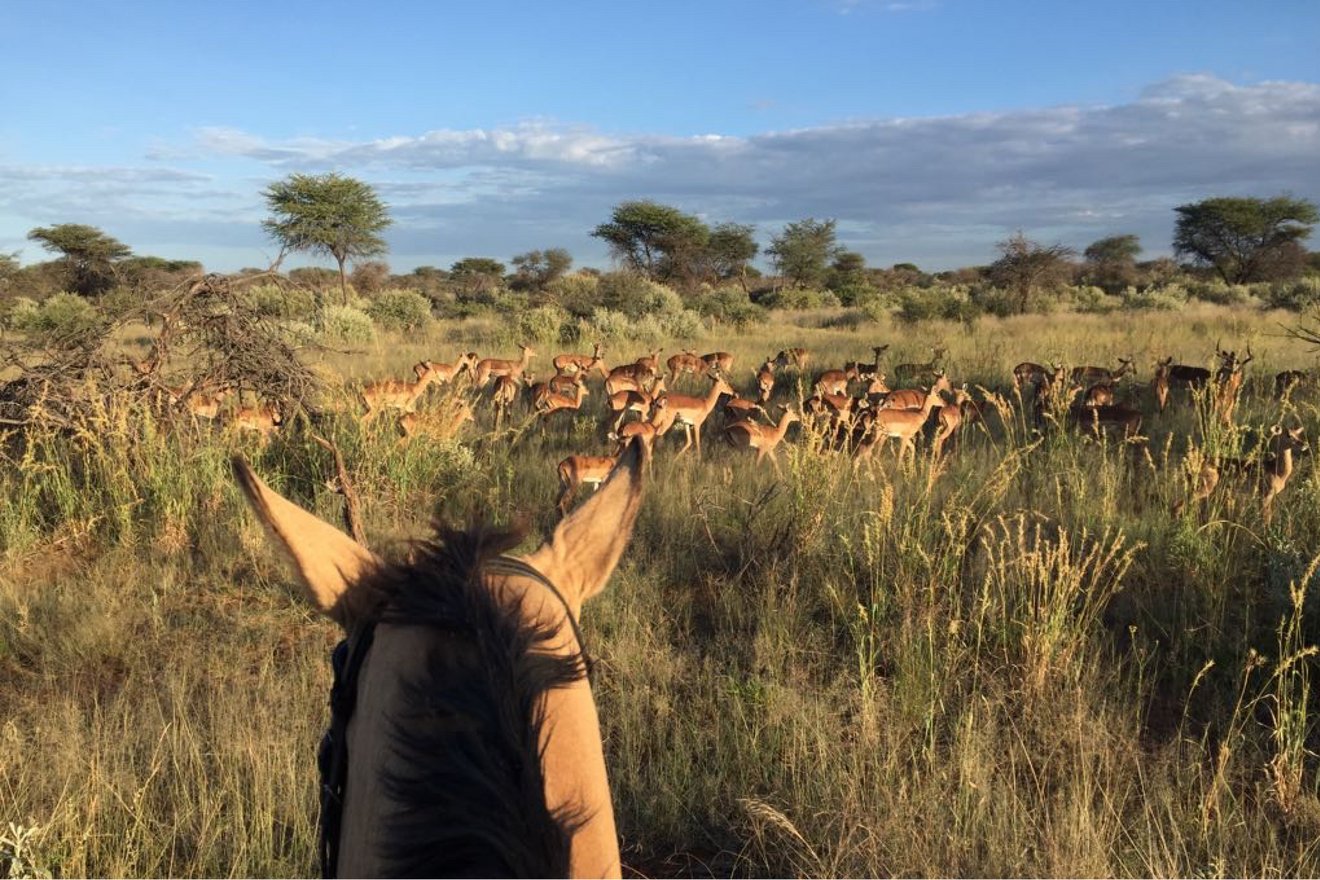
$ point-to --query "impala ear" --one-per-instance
(587, 544)
(328, 561)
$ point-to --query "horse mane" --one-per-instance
(467, 781)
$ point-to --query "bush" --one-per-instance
(994, 301)
(729, 305)
(800, 299)
(544, 323)
(1215, 291)
(1168, 299)
(287, 303)
(62, 314)
(636, 296)
(1091, 300)
(400, 309)
(299, 334)
(1295, 296)
(606, 324)
(347, 324)
(579, 293)
(928, 303)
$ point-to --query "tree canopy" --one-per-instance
(654, 239)
(1245, 239)
(803, 251)
(1111, 263)
(327, 214)
(1026, 265)
(88, 253)
(536, 269)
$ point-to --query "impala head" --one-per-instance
(473, 745)
(423, 369)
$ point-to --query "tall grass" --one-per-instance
(1015, 661)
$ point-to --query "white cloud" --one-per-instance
(939, 189)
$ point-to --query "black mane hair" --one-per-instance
(467, 780)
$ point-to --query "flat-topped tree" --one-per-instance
(327, 214)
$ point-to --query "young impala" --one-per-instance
(398, 393)
(762, 438)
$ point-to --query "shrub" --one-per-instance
(21, 313)
(1168, 299)
(1212, 291)
(800, 299)
(606, 324)
(400, 309)
(544, 323)
(62, 314)
(1092, 300)
(347, 324)
(729, 305)
(1296, 296)
(288, 303)
(928, 303)
(579, 293)
(298, 333)
(636, 296)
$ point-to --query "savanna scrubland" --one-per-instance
(1015, 659)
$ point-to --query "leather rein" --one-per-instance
(347, 660)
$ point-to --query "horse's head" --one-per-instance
(468, 740)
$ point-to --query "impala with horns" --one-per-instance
(488, 367)
(762, 438)
(464, 739)
(690, 413)
(399, 393)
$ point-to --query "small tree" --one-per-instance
(327, 214)
(803, 251)
(535, 270)
(730, 250)
(88, 255)
(1026, 266)
(1111, 263)
(477, 275)
(1245, 239)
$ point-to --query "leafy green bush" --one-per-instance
(729, 305)
(636, 296)
(1213, 291)
(288, 303)
(544, 323)
(1092, 300)
(579, 293)
(800, 298)
(347, 324)
(298, 333)
(400, 309)
(1296, 296)
(61, 314)
(929, 303)
(607, 324)
(1167, 299)
(20, 312)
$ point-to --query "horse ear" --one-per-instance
(581, 555)
(329, 562)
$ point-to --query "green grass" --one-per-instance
(1016, 662)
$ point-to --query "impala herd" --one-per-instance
(851, 409)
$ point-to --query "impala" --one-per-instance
(1027, 373)
(489, 367)
(1093, 419)
(863, 371)
(502, 396)
(582, 470)
(903, 424)
(1168, 375)
(765, 381)
(833, 382)
(553, 403)
(719, 360)
(739, 408)
(1228, 384)
(629, 377)
(581, 363)
(264, 420)
(650, 362)
(922, 374)
(763, 438)
(440, 425)
(686, 362)
(641, 402)
(691, 412)
(398, 393)
(1099, 395)
(950, 419)
(1089, 376)
(645, 431)
(199, 403)
(796, 357)
(464, 363)
(1274, 470)
(1285, 382)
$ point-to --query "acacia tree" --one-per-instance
(654, 239)
(803, 251)
(1245, 239)
(1026, 265)
(327, 214)
(535, 270)
(88, 254)
(730, 250)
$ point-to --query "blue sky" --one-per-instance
(929, 129)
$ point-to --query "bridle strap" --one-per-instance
(347, 659)
(509, 566)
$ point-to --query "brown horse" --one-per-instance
(465, 740)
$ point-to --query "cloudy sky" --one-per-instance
(929, 129)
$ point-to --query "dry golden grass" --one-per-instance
(1016, 662)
